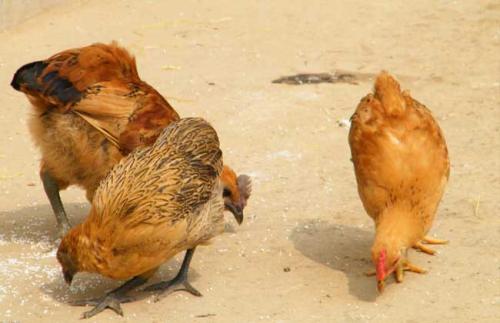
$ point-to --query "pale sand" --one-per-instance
(305, 213)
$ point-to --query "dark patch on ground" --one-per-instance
(316, 78)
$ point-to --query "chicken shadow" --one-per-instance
(339, 247)
(36, 224)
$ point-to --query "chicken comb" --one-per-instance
(381, 265)
(245, 188)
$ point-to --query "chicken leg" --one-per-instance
(52, 190)
(178, 283)
(113, 299)
(420, 246)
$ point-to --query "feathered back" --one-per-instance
(158, 201)
(99, 83)
(171, 178)
(197, 141)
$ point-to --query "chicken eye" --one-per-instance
(226, 193)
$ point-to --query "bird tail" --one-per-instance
(388, 92)
(26, 77)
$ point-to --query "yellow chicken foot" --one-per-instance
(370, 273)
(405, 265)
(420, 246)
(178, 283)
(428, 240)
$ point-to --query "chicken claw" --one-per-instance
(178, 283)
(371, 272)
(111, 300)
(434, 241)
(420, 246)
(405, 265)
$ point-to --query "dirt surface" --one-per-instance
(302, 250)
(13, 12)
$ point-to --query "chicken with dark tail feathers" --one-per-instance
(91, 109)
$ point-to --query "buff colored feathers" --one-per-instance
(401, 164)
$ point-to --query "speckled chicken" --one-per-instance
(401, 164)
(90, 109)
(158, 201)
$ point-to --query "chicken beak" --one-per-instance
(68, 277)
(236, 210)
(380, 286)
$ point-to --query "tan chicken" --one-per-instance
(401, 163)
(158, 201)
(91, 109)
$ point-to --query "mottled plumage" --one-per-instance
(157, 202)
(91, 110)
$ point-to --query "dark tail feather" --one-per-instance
(27, 76)
(51, 85)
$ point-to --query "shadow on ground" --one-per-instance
(340, 247)
(37, 223)
(88, 286)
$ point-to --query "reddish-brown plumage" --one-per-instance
(99, 84)
(91, 109)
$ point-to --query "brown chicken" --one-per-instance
(401, 164)
(158, 201)
(91, 109)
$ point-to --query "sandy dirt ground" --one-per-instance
(302, 250)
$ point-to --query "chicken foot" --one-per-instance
(178, 283)
(405, 265)
(420, 246)
(52, 190)
(111, 300)
(370, 273)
